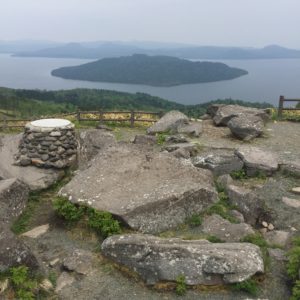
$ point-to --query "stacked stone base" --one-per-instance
(47, 147)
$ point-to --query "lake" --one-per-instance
(266, 81)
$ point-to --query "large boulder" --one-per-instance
(34, 178)
(13, 199)
(225, 113)
(257, 161)
(246, 127)
(149, 191)
(224, 230)
(199, 261)
(169, 123)
(220, 162)
(13, 251)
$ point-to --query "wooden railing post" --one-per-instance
(132, 118)
(78, 115)
(280, 107)
(101, 116)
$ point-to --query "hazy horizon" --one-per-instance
(192, 22)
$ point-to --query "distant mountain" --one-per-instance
(149, 70)
(97, 50)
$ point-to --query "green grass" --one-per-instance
(181, 285)
(194, 221)
(161, 138)
(239, 175)
(293, 265)
(249, 286)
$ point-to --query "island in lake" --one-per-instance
(150, 70)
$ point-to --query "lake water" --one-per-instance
(266, 81)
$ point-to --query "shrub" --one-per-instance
(68, 210)
(194, 220)
(248, 286)
(161, 138)
(181, 285)
(214, 239)
(241, 174)
(296, 291)
(103, 222)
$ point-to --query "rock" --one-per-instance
(291, 202)
(13, 199)
(264, 224)
(277, 237)
(33, 177)
(193, 129)
(200, 262)
(291, 168)
(213, 108)
(37, 231)
(271, 227)
(3, 285)
(149, 191)
(296, 190)
(182, 153)
(257, 160)
(176, 139)
(63, 280)
(246, 127)
(91, 141)
(220, 162)
(103, 127)
(226, 112)
(80, 261)
(263, 230)
(224, 181)
(144, 139)
(189, 147)
(53, 262)
(248, 203)
(46, 285)
(277, 254)
(169, 123)
(13, 252)
(24, 161)
(205, 117)
(236, 214)
(224, 230)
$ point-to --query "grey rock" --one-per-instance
(168, 123)
(63, 280)
(182, 153)
(143, 139)
(55, 133)
(257, 160)
(277, 254)
(13, 199)
(80, 261)
(205, 117)
(14, 252)
(45, 157)
(217, 226)
(291, 202)
(224, 181)
(33, 177)
(176, 139)
(189, 147)
(149, 191)
(236, 214)
(193, 128)
(278, 237)
(296, 190)
(212, 109)
(291, 168)
(248, 203)
(24, 161)
(37, 231)
(226, 112)
(220, 162)
(246, 127)
(156, 259)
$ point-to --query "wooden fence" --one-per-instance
(281, 107)
(82, 116)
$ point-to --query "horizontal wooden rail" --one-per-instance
(281, 107)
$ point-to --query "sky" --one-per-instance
(253, 23)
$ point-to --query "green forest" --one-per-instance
(150, 70)
(32, 103)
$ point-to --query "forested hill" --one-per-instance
(150, 70)
(28, 103)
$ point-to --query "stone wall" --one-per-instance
(48, 143)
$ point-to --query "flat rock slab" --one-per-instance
(296, 190)
(277, 237)
(34, 178)
(224, 230)
(199, 261)
(37, 231)
(219, 161)
(149, 191)
(291, 202)
(257, 160)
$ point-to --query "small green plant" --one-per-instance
(52, 278)
(161, 138)
(103, 222)
(24, 285)
(69, 211)
(214, 239)
(181, 285)
(194, 221)
(293, 264)
(296, 291)
(249, 286)
(239, 175)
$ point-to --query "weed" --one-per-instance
(293, 264)
(69, 211)
(161, 138)
(214, 239)
(249, 286)
(103, 222)
(181, 285)
(194, 220)
(52, 278)
(239, 175)
(296, 291)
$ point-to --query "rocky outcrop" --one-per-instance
(246, 127)
(193, 128)
(200, 262)
(149, 191)
(224, 230)
(222, 114)
(257, 161)
(220, 162)
(143, 139)
(34, 178)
